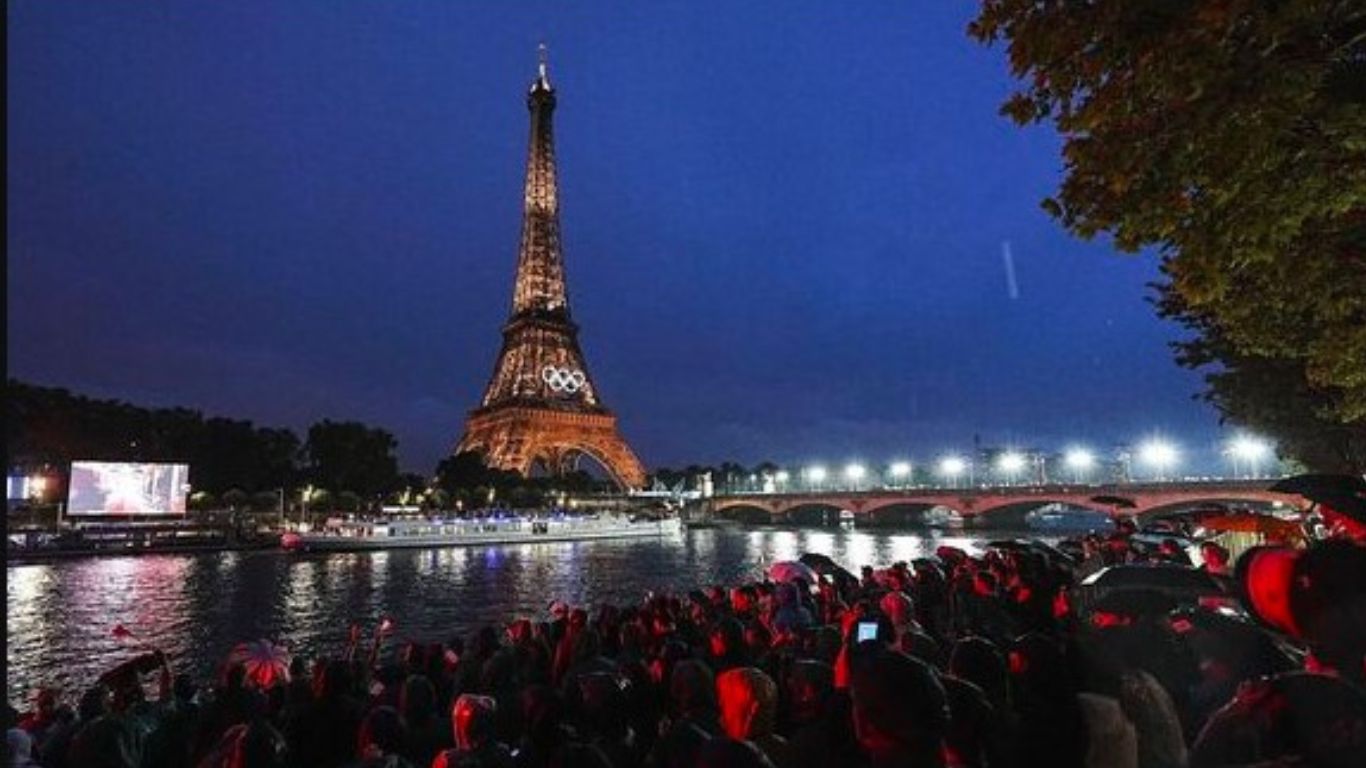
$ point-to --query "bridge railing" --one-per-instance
(1008, 489)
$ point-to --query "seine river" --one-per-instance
(195, 607)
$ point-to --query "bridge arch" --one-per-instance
(1025, 505)
(742, 512)
(909, 512)
(1228, 500)
(812, 513)
(1020, 513)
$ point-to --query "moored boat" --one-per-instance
(460, 532)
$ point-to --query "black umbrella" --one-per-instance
(823, 565)
(1115, 501)
(127, 672)
(1239, 644)
(1344, 494)
(1316, 719)
(817, 561)
(1031, 545)
(1134, 603)
(1311, 485)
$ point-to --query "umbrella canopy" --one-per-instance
(128, 671)
(1312, 485)
(1239, 644)
(264, 662)
(818, 562)
(1134, 603)
(1344, 494)
(950, 555)
(825, 566)
(791, 570)
(1318, 719)
(1115, 501)
(1031, 545)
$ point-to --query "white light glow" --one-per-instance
(900, 469)
(1010, 462)
(1248, 448)
(782, 476)
(1080, 458)
(854, 471)
(1158, 454)
(815, 474)
(952, 466)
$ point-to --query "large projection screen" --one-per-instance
(106, 488)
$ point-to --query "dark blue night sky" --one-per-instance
(784, 226)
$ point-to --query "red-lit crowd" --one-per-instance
(1002, 658)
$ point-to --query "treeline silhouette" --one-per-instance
(346, 465)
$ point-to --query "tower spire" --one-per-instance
(541, 407)
(540, 264)
(541, 67)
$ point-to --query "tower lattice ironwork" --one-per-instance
(541, 404)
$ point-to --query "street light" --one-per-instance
(854, 473)
(951, 467)
(900, 470)
(1249, 449)
(1010, 463)
(815, 475)
(1158, 454)
(37, 486)
(781, 477)
(306, 492)
(1080, 461)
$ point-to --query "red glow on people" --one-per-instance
(1269, 577)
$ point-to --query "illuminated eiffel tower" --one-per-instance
(541, 405)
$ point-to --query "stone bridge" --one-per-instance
(905, 505)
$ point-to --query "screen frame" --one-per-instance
(177, 503)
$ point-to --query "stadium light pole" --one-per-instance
(951, 467)
(815, 476)
(854, 474)
(1160, 455)
(1248, 449)
(1080, 461)
(1010, 463)
(900, 471)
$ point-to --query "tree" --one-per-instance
(1272, 396)
(54, 426)
(266, 501)
(348, 501)
(235, 498)
(1227, 135)
(464, 473)
(349, 456)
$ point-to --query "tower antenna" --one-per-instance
(543, 57)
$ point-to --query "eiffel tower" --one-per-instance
(541, 405)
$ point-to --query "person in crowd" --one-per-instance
(749, 712)
(476, 743)
(900, 711)
(986, 658)
(1215, 558)
(382, 738)
(426, 732)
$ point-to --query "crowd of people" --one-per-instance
(998, 658)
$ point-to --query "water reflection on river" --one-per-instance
(60, 616)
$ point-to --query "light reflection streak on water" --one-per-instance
(196, 607)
